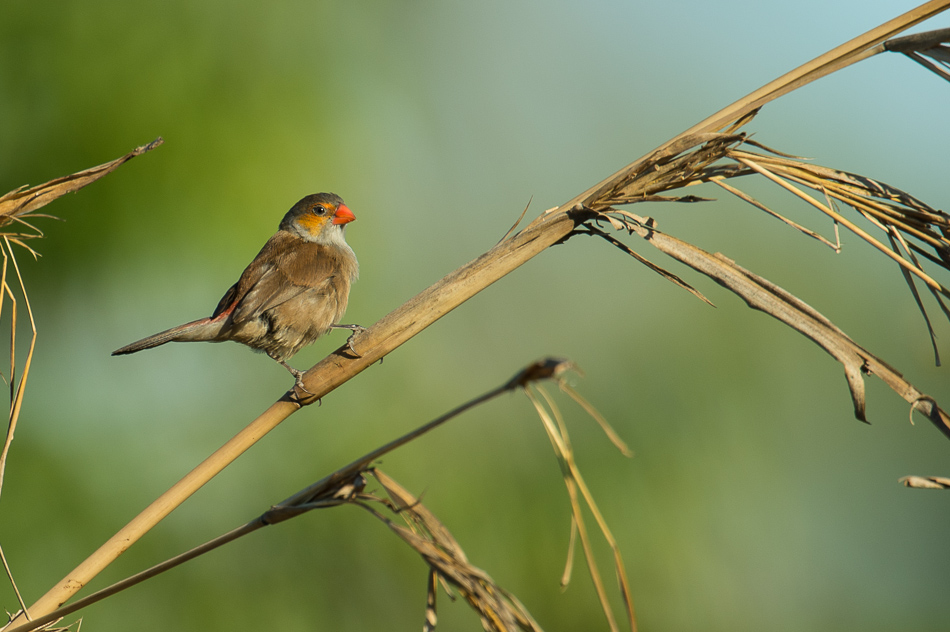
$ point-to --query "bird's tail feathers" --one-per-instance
(204, 329)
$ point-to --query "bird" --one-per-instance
(294, 291)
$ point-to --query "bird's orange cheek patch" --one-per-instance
(311, 223)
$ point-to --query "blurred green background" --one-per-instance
(755, 500)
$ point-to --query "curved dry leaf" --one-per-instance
(22, 200)
(925, 482)
(767, 297)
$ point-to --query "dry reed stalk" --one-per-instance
(499, 609)
(644, 177)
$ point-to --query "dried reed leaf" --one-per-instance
(896, 238)
(926, 482)
(17, 389)
(499, 610)
(771, 150)
(680, 164)
(817, 176)
(563, 452)
(920, 46)
(901, 217)
(557, 433)
(860, 232)
(763, 295)
(718, 180)
(619, 443)
(896, 212)
(569, 562)
(669, 276)
(517, 221)
(15, 206)
(16, 590)
(717, 157)
(22, 201)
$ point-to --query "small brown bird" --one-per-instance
(294, 291)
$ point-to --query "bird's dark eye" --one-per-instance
(319, 210)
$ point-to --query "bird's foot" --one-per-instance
(298, 375)
(298, 381)
(356, 329)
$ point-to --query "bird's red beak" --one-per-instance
(343, 215)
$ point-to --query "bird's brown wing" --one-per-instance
(285, 268)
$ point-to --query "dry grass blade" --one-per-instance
(911, 226)
(499, 610)
(921, 46)
(917, 227)
(619, 443)
(569, 562)
(926, 482)
(910, 251)
(17, 388)
(683, 163)
(669, 276)
(763, 295)
(882, 204)
(557, 432)
(876, 198)
(895, 238)
(718, 180)
(19, 598)
(517, 221)
(563, 450)
(20, 202)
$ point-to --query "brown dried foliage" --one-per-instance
(916, 233)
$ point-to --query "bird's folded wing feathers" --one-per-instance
(226, 301)
(306, 267)
(271, 290)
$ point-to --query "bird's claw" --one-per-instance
(298, 383)
(349, 340)
(357, 330)
(298, 375)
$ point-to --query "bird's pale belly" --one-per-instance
(284, 330)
